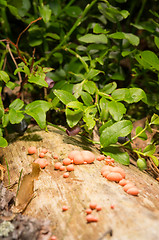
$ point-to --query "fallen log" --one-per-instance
(131, 217)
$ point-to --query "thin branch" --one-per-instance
(19, 75)
(110, 232)
(76, 24)
(19, 54)
(5, 61)
(33, 54)
(26, 29)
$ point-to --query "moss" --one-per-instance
(5, 228)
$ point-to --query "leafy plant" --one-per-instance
(17, 110)
(102, 74)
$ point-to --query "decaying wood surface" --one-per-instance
(132, 217)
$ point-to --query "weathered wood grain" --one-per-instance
(132, 218)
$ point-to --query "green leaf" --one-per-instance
(37, 110)
(52, 35)
(64, 96)
(73, 117)
(73, 11)
(135, 95)
(15, 116)
(98, 29)
(18, 70)
(77, 89)
(24, 8)
(133, 39)
(56, 7)
(118, 76)
(14, 10)
(45, 106)
(121, 1)
(111, 13)
(154, 159)
(1, 132)
(90, 87)
(126, 53)
(75, 105)
(105, 125)
(35, 36)
(117, 154)
(5, 120)
(147, 25)
(148, 60)
(3, 142)
(47, 69)
(117, 35)
(17, 104)
(55, 101)
(143, 135)
(11, 85)
(38, 79)
(4, 76)
(92, 38)
(26, 70)
(15, 3)
(109, 88)
(22, 68)
(116, 110)
(88, 117)
(119, 129)
(104, 109)
(92, 73)
(148, 126)
(86, 98)
(155, 119)
(156, 39)
(3, 3)
(149, 150)
(45, 13)
(124, 13)
(130, 95)
(1, 112)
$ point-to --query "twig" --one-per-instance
(110, 232)
(76, 24)
(19, 181)
(19, 54)
(5, 61)
(16, 45)
(155, 130)
(8, 171)
(153, 167)
(26, 29)
(19, 75)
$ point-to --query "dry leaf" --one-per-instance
(2, 171)
(26, 190)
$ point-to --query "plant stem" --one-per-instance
(19, 181)
(1, 103)
(136, 135)
(56, 126)
(76, 24)
(140, 12)
(138, 153)
(105, 95)
(8, 171)
(35, 5)
(78, 56)
(69, 4)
